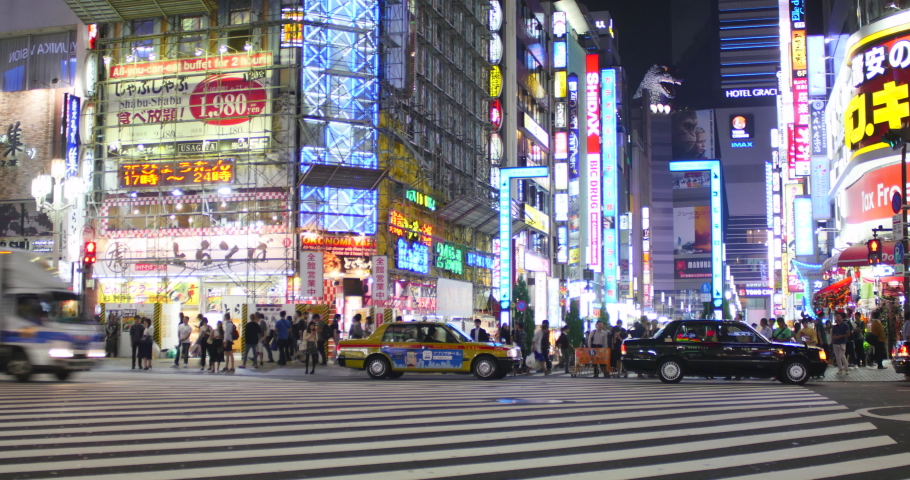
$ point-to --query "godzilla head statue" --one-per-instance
(660, 83)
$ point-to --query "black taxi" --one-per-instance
(720, 348)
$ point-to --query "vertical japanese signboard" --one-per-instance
(71, 137)
(311, 271)
(593, 187)
(380, 287)
(610, 184)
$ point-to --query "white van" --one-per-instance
(42, 329)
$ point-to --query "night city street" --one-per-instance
(454, 239)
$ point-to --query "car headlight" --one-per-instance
(822, 355)
(60, 353)
(96, 354)
(514, 352)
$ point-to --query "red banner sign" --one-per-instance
(869, 199)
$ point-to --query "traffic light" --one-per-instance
(896, 137)
(875, 251)
(90, 254)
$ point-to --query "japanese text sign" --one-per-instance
(178, 173)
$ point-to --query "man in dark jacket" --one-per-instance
(136, 332)
(564, 347)
(478, 334)
(112, 333)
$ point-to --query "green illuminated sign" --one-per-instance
(449, 257)
(424, 201)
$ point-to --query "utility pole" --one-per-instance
(894, 138)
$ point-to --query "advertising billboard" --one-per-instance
(869, 198)
(879, 76)
(188, 99)
(697, 225)
(195, 256)
(692, 134)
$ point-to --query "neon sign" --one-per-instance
(449, 258)
(560, 55)
(560, 26)
(594, 254)
(421, 199)
(561, 145)
(805, 237)
(562, 244)
(474, 259)
(505, 226)
(171, 174)
(414, 257)
(610, 184)
(71, 129)
(560, 81)
(495, 81)
(537, 131)
(496, 114)
(403, 227)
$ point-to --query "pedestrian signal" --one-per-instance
(874, 247)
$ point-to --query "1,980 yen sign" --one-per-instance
(227, 100)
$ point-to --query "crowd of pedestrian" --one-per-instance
(844, 339)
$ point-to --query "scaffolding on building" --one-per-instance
(195, 139)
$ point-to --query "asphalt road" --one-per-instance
(885, 404)
(156, 425)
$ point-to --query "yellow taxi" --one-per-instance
(396, 348)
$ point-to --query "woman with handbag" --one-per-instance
(308, 348)
(205, 334)
(216, 348)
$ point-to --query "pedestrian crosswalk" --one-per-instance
(434, 427)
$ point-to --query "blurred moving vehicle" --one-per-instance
(42, 327)
(720, 348)
(426, 347)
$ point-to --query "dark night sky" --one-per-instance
(670, 32)
(644, 31)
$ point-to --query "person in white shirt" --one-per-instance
(765, 330)
(183, 337)
(599, 338)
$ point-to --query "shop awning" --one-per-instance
(858, 256)
(834, 287)
(472, 212)
(339, 176)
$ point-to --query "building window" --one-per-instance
(143, 48)
(189, 43)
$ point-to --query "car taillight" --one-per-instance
(903, 350)
(623, 350)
